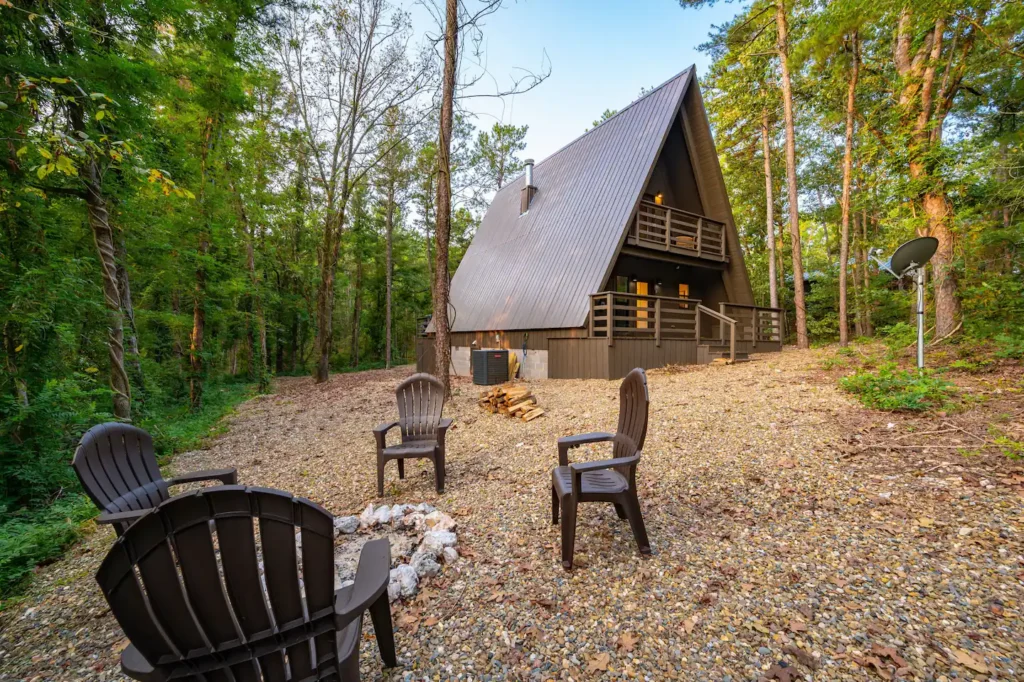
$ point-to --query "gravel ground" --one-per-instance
(782, 548)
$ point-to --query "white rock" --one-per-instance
(413, 520)
(401, 546)
(366, 519)
(437, 520)
(437, 540)
(406, 579)
(425, 508)
(965, 531)
(382, 515)
(394, 591)
(450, 555)
(346, 524)
(400, 510)
(425, 564)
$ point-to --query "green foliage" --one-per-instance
(31, 538)
(1011, 346)
(36, 446)
(898, 336)
(898, 390)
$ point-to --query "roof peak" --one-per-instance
(673, 79)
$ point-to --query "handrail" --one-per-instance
(673, 229)
(725, 320)
(680, 210)
(754, 307)
(622, 294)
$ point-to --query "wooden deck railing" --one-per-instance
(678, 231)
(635, 316)
(723, 321)
(758, 325)
(614, 314)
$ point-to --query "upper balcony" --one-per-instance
(677, 231)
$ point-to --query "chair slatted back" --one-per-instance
(634, 402)
(420, 401)
(117, 466)
(184, 582)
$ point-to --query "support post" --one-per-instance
(593, 307)
(732, 343)
(920, 319)
(700, 235)
(611, 318)
(696, 319)
(668, 229)
(657, 322)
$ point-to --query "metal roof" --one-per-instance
(537, 270)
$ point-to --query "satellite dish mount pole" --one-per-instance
(909, 261)
(919, 279)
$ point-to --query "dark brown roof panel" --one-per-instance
(536, 270)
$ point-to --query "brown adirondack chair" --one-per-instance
(420, 401)
(609, 480)
(117, 467)
(191, 599)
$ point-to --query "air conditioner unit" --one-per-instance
(490, 366)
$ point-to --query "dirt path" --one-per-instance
(771, 543)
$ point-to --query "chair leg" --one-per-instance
(554, 505)
(621, 511)
(380, 614)
(439, 471)
(568, 531)
(380, 476)
(636, 522)
(401, 469)
(348, 669)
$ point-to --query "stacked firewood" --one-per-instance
(512, 401)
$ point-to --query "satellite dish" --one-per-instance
(910, 259)
(912, 255)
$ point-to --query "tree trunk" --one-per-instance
(773, 282)
(844, 236)
(128, 309)
(794, 209)
(257, 341)
(865, 274)
(389, 267)
(947, 303)
(103, 236)
(195, 350)
(858, 297)
(357, 311)
(442, 230)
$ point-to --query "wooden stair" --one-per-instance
(718, 353)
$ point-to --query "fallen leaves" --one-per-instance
(690, 623)
(599, 663)
(626, 641)
(969, 659)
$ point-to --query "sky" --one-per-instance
(600, 53)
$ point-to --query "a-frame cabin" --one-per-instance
(617, 251)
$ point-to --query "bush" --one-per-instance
(31, 537)
(897, 390)
(898, 336)
(37, 442)
(1010, 346)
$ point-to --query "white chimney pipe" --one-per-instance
(529, 172)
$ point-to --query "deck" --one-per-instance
(631, 330)
(664, 228)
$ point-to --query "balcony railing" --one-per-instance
(678, 231)
(631, 316)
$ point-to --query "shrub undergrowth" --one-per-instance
(898, 390)
(42, 505)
